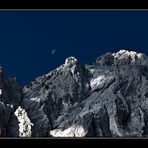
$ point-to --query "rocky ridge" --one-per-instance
(106, 99)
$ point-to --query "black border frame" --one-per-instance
(73, 4)
(68, 142)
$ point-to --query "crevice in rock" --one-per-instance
(101, 122)
(145, 128)
(123, 112)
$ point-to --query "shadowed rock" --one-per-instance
(106, 99)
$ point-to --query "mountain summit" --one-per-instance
(105, 99)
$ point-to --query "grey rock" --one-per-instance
(10, 98)
(106, 99)
(50, 95)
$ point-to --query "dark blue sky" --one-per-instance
(27, 38)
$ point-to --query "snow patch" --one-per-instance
(35, 99)
(100, 81)
(97, 81)
(73, 131)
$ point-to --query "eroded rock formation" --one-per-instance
(108, 98)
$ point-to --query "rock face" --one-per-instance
(10, 98)
(106, 99)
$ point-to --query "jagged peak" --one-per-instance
(106, 101)
(122, 57)
(71, 60)
(124, 52)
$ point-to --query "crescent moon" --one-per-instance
(53, 51)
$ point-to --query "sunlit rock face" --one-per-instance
(105, 99)
(24, 122)
(122, 57)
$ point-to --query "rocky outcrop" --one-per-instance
(106, 99)
(49, 96)
(10, 98)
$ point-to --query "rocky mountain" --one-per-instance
(106, 99)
